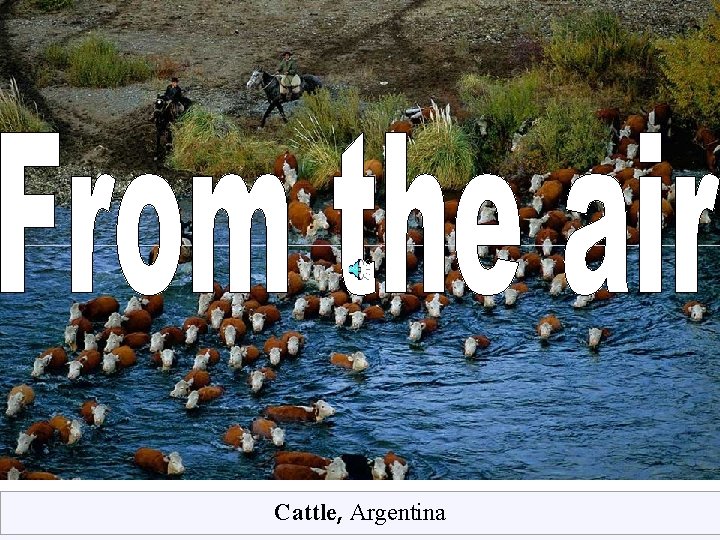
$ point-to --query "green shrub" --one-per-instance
(16, 116)
(320, 162)
(208, 143)
(596, 47)
(691, 66)
(568, 134)
(96, 62)
(53, 5)
(442, 149)
(375, 120)
(503, 105)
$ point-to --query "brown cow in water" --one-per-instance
(298, 413)
(155, 461)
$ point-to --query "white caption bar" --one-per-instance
(248, 513)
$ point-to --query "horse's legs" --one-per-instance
(282, 111)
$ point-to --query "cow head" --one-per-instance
(326, 305)
(99, 412)
(248, 443)
(359, 361)
(398, 471)
(293, 345)
(109, 363)
(75, 432)
(357, 319)
(182, 389)
(379, 470)
(275, 356)
(71, 331)
(167, 357)
(258, 321)
(336, 470)
(322, 410)
(304, 267)
(14, 404)
(115, 320)
(458, 288)
(74, 369)
(23, 443)
(175, 465)
(594, 337)
(257, 378)
(230, 335)
(157, 342)
(416, 329)
(278, 436)
(113, 342)
(697, 311)
(40, 364)
(510, 297)
(192, 400)
(299, 309)
(341, 314)
(469, 347)
(90, 342)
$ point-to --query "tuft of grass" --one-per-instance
(16, 116)
(209, 143)
(375, 120)
(96, 62)
(568, 134)
(335, 117)
(53, 5)
(595, 46)
(442, 149)
(691, 66)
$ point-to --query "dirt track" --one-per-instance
(417, 47)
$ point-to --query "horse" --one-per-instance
(165, 113)
(271, 85)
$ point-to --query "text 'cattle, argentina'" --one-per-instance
(353, 193)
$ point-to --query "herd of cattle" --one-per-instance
(100, 338)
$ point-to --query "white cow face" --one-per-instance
(167, 357)
(416, 328)
(275, 356)
(548, 268)
(458, 288)
(75, 432)
(336, 470)
(697, 312)
(511, 296)
(157, 342)
(356, 320)
(74, 369)
(175, 465)
(191, 334)
(293, 346)
(396, 306)
(341, 314)
(258, 322)
(323, 410)
(133, 304)
(359, 361)
(469, 347)
(109, 363)
(75, 312)
(90, 342)
(182, 389)
(236, 356)
(115, 320)
(99, 412)
(305, 268)
(326, 306)
(23, 443)
(333, 280)
(201, 361)
(398, 471)
(257, 378)
(204, 302)
(113, 342)
(434, 306)
(40, 364)
(545, 330)
(379, 470)
(520, 272)
(278, 436)
(193, 399)
(71, 331)
(14, 404)
(216, 317)
(547, 247)
(594, 337)
(299, 309)
(230, 335)
(248, 443)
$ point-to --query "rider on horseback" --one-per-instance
(288, 76)
(174, 94)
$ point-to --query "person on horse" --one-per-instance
(174, 94)
(288, 76)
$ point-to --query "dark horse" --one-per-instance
(271, 85)
(165, 113)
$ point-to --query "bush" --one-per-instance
(504, 106)
(596, 47)
(96, 62)
(15, 116)
(53, 5)
(376, 118)
(568, 134)
(442, 149)
(691, 66)
(208, 143)
(56, 56)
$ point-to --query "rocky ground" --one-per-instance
(417, 47)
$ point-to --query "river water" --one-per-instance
(645, 405)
